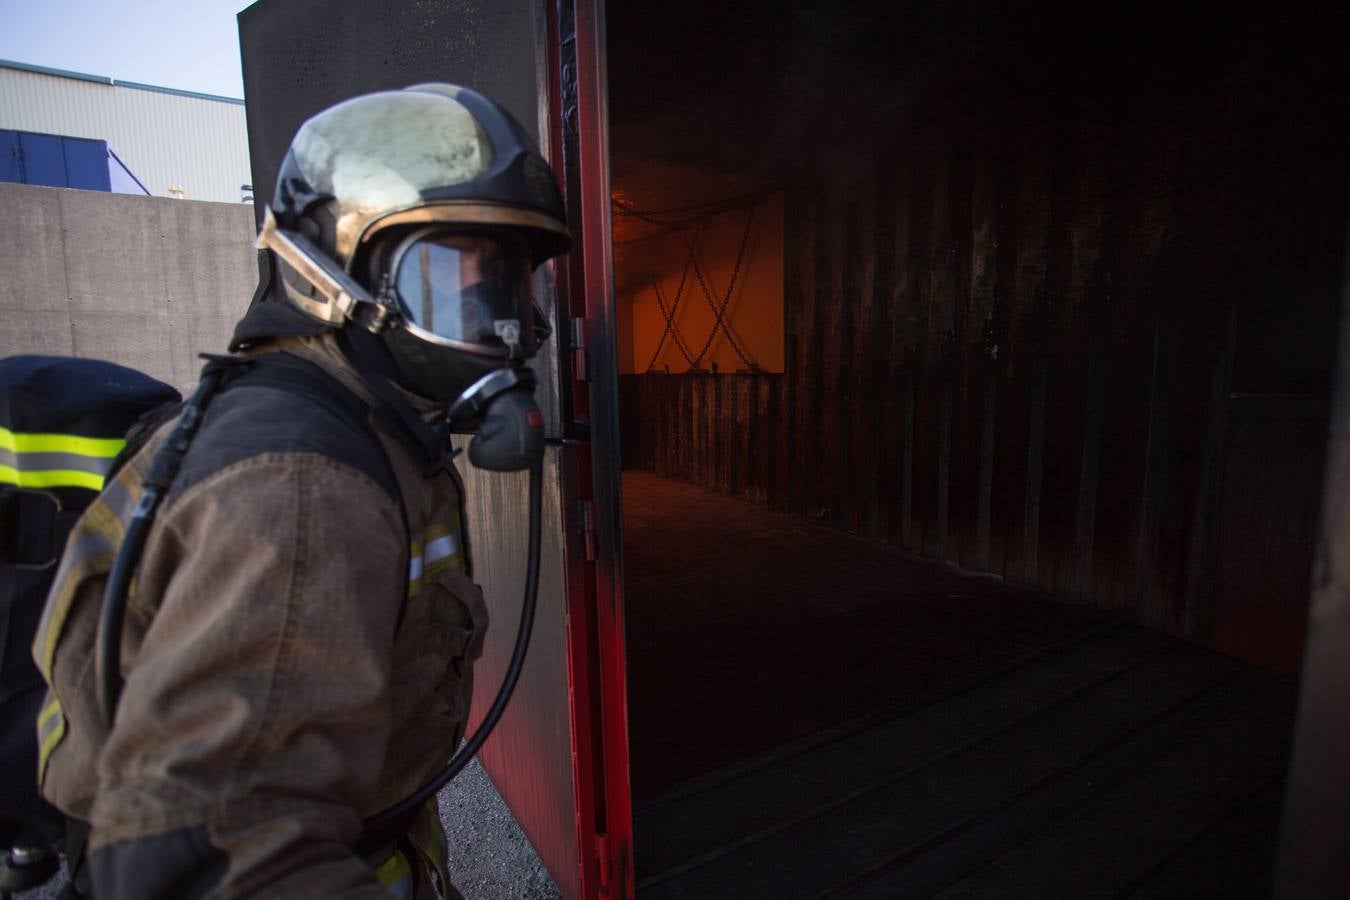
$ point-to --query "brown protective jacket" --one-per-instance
(280, 685)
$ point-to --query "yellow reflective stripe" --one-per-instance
(49, 741)
(21, 442)
(440, 530)
(427, 834)
(394, 869)
(45, 478)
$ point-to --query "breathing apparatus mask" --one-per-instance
(465, 323)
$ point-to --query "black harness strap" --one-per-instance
(290, 373)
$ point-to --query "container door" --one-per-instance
(591, 467)
(563, 733)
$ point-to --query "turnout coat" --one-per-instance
(295, 658)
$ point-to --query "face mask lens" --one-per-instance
(468, 288)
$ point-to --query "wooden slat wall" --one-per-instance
(1013, 342)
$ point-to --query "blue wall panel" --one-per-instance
(11, 157)
(54, 161)
(86, 164)
(42, 159)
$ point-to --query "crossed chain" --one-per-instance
(719, 311)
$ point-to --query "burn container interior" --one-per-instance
(974, 375)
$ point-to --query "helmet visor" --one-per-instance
(466, 289)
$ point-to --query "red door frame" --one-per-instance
(597, 677)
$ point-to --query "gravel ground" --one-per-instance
(489, 856)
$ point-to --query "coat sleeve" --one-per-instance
(255, 718)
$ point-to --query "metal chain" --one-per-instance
(669, 316)
(720, 313)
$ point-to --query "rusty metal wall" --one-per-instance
(301, 56)
(1069, 322)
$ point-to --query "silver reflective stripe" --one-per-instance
(68, 462)
(51, 729)
(415, 568)
(119, 501)
(91, 544)
(77, 554)
(50, 721)
(441, 548)
(401, 889)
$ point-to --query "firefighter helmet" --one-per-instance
(436, 202)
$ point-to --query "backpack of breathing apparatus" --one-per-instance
(63, 424)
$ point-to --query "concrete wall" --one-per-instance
(146, 282)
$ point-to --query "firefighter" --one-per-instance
(299, 635)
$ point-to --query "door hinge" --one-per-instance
(579, 349)
(586, 517)
(606, 862)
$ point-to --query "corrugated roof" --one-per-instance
(104, 79)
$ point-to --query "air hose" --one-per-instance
(163, 469)
(385, 826)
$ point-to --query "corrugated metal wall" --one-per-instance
(166, 139)
(1074, 330)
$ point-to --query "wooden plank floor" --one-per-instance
(1098, 759)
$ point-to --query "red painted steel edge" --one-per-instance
(597, 679)
(580, 594)
(598, 245)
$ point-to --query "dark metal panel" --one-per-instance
(301, 56)
(1313, 862)
(529, 755)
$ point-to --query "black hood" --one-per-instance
(269, 313)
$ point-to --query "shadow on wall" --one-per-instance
(146, 282)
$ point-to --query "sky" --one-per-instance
(191, 45)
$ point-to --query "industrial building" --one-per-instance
(172, 143)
